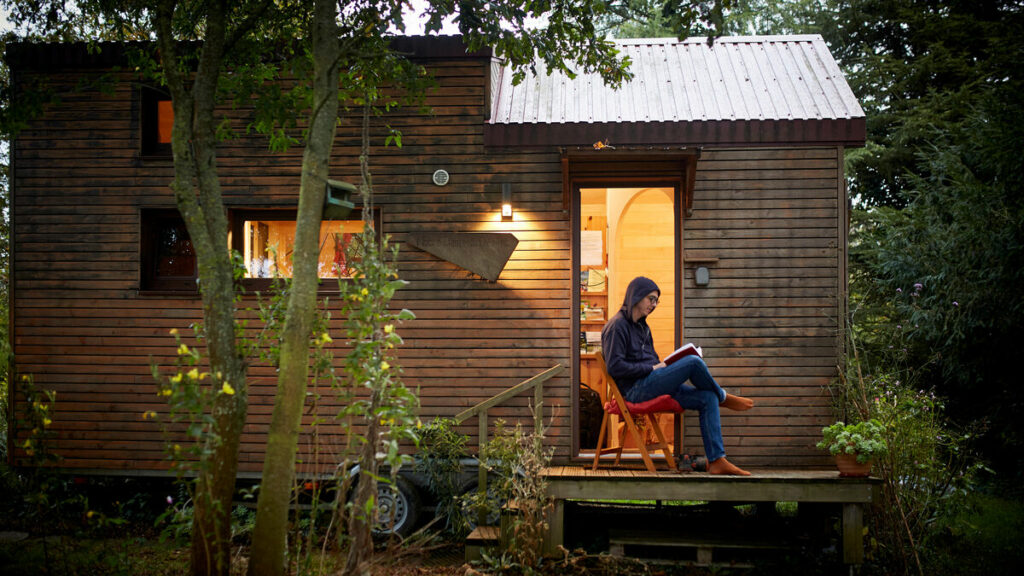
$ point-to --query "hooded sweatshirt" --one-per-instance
(628, 346)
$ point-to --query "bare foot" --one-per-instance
(738, 403)
(723, 466)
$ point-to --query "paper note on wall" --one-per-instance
(591, 248)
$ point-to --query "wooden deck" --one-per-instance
(812, 486)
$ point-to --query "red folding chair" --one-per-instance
(616, 405)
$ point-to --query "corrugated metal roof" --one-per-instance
(741, 78)
(759, 79)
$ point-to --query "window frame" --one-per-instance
(238, 216)
(149, 122)
(149, 281)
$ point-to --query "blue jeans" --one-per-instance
(703, 394)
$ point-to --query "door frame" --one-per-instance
(679, 208)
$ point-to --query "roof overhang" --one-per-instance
(814, 132)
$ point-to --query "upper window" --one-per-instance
(168, 258)
(157, 120)
(266, 238)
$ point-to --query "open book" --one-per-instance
(683, 351)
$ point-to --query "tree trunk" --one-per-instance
(359, 522)
(197, 192)
(269, 537)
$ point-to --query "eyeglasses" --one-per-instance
(653, 300)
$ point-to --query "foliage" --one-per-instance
(927, 469)
(916, 66)
(515, 461)
(668, 18)
(385, 409)
(866, 440)
(944, 271)
(987, 532)
(761, 17)
(189, 394)
(441, 452)
(663, 18)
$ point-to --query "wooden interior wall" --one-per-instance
(82, 328)
(768, 319)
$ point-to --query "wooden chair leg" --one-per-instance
(641, 444)
(662, 444)
(600, 440)
(621, 439)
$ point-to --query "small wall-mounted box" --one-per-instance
(701, 276)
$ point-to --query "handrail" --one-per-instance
(537, 383)
(534, 382)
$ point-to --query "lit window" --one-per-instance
(266, 238)
(157, 120)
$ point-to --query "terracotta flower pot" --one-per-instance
(849, 467)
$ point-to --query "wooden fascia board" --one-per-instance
(848, 132)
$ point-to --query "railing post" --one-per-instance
(538, 408)
(481, 482)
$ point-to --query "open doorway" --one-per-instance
(624, 232)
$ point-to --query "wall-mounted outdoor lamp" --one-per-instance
(337, 200)
(506, 201)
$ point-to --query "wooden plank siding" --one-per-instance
(767, 322)
(82, 328)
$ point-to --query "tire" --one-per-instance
(400, 500)
(493, 516)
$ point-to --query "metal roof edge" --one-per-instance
(849, 132)
(724, 39)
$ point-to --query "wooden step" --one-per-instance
(480, 539)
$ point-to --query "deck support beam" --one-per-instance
(853, 533)
(804, 486)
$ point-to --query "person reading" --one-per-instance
(641, 375)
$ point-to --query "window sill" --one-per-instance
(155, 293)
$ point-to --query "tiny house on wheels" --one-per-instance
(521, 212)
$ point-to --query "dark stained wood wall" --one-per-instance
(81, 326)
(769, 320)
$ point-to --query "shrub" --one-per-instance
(516, 460)
(927, 468)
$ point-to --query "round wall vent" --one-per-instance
(440, 177)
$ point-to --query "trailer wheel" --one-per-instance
(469, 514)
(398, 508)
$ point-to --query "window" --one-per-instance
(265, 239)
(168, 259)
(157, 120)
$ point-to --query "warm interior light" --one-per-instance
(506, 210)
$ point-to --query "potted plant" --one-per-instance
(854, 445)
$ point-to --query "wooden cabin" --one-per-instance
(717, 171)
